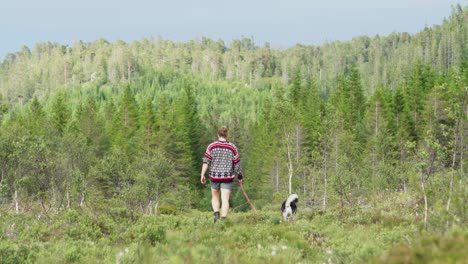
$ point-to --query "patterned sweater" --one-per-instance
(223, 160)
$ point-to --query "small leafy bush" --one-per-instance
(77, 225)
(443, 249)
(74, 253)
(154, 234)
(16, 253)
(167, 210)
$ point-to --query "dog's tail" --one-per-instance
(292, 198)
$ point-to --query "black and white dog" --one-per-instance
(289, 207)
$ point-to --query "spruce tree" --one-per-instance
(148, 126)
(60, 113)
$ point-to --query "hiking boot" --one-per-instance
(216, 216)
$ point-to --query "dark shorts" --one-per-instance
(222, 185)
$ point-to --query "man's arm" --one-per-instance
(206, 163)
(237, 166)
(204, 169)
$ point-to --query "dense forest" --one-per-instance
(120, 125)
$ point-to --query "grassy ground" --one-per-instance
(362, 234)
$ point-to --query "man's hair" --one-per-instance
(223, 132)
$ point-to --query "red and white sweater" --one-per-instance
(223, 160)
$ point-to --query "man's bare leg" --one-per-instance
(215, 202)
(225, 193)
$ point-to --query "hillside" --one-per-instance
(101, 146)
(383, 61)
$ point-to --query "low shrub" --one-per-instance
(16, 253)
(430, 248)
(154, 234)
(75, 225)
(167, 210)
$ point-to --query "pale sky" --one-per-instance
(281, 23)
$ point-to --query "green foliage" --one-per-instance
(102, 143)
(74, 253)
(379, 228)
(16, 253)
(60, 115)
(78, 226)
(167, 210)
(429, 249)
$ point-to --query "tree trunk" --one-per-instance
(462, 149)
(129, 69)
(336, 152)
(423, 188)
(376, 132)
(290, 167)
(277, 178)
(16, 202)
(304, 189)
(68, 199)
(326, 184)
(82, 200)
(336, 162)
(65, 66)
(454, 155)
(313, 183)
(54, 199)
(150, 207)
(297, 145)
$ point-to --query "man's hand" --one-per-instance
(203, 179)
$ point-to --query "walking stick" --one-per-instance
(246, 197)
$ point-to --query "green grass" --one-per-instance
(362, 234)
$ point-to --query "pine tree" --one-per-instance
(193, 128)
(36, 121)
(93, 127)
(357, 103)
(148, 126)
(125, 123)
(419, 85)
(404, 122)
(311, 111)
(350, 103)
(60, 113)
(262, 158)
(296, 88)
(128, 112)
(380, 141)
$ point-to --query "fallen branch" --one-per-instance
(246, 197)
